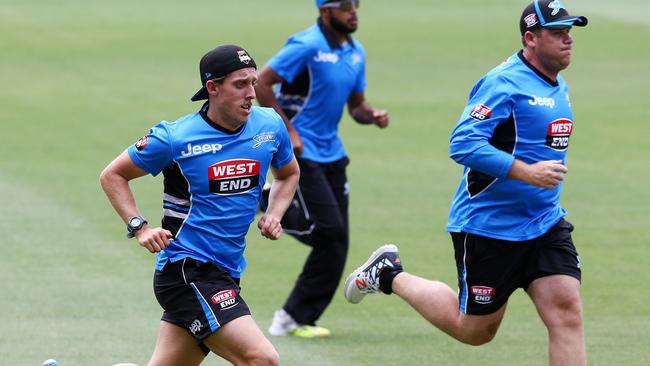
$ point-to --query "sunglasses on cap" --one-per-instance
(343, 5)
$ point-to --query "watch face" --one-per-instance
(136, 222)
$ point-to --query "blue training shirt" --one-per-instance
(213, 179)
(514, 111)
(319, 77)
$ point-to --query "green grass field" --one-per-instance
(81, 80)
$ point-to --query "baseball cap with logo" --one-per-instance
(548, 14)
(220, 62)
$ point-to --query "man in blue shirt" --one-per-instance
(319, 71)
(506, 223)
(214, 163)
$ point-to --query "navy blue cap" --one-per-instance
(220, 62)
(548, 14)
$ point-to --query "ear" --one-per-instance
(212, 88)
(325, 14)
(530, 39)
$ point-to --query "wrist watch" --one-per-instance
(135, 223)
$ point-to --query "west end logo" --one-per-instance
(556, 6)
(530, 20)
(558, 134)
(234, 176)
(243, 57)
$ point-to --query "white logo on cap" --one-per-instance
(556, 5)
(243, 57)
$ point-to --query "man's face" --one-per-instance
(235, 94)
(344, 21)
(553, 48)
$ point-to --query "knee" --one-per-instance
(573, 317)
(567, 314)
(263, 358)
(478, 335)
(479, 338)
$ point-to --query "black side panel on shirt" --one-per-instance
(175, 185)
(293, 96)
(504, 139)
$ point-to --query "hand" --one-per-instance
(155, 239)
(296, 141)
(270, 227)
(380, 117)
(546, 174)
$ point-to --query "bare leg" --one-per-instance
(175, 347)
(243, 343)
(438, 304)
(558, 303)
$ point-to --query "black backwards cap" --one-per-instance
(220, 62)
(548, 14)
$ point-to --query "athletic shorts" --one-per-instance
(490, 270)
(200, 297)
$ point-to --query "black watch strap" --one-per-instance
(135, 223)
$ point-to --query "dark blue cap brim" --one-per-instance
(200, 95)
(567, 21)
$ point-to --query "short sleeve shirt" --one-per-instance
(212, 182)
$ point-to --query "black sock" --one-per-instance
(386, 280)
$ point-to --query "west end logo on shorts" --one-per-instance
(480, 112)
(142, 142)
(262, 138)
(234, 176)
(482, 294)
(199, 149)
(226, 299)
(558, 133)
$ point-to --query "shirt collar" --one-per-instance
(204, 114)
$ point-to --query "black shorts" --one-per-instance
(200, 297)
(490, 270)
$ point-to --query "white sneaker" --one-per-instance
(282, 324)
(365, 279)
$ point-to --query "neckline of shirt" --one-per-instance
(520, 54)
(331, 37)
(204, 114)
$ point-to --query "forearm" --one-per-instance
(363, 114)
(281, 195)
(119, 194)
(482, 157)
